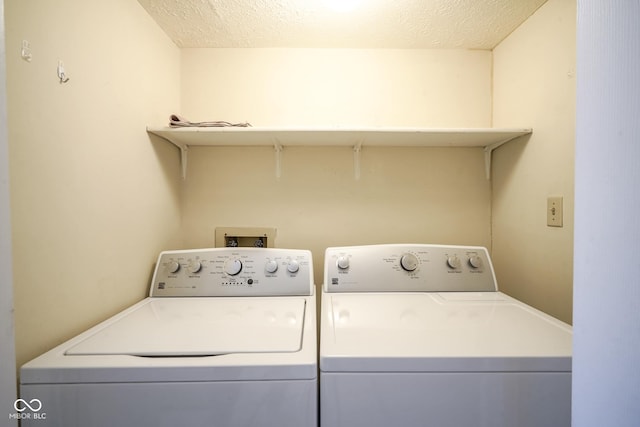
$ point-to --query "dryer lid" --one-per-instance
(435, 332)
(185, 327)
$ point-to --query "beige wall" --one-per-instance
(534, 84)
(403, 195)
(93, 201)
(338, 87)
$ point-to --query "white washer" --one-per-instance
(227, 337)
(418, 335)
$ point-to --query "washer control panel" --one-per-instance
(224, 272)
(410, 267)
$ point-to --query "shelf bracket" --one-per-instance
(184, 149)
(488, 155)
(357, 149)
(278, 153)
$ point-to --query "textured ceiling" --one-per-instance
(459, 24)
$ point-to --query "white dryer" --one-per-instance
(227, 337)
(418, 335)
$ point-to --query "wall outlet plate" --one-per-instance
(258, 237)
(554, 211)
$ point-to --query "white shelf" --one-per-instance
(487, 138)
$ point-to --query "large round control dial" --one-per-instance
(271, 266)
(343, 262)
(233, 266)
(475, 261)
(173, 267)
(409, 262)
(293, 266)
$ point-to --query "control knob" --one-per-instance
(475, 261)
(293, 266)
(271, 266)
(409, 262)
(173, 267)
(194, 267)
(233, 267)
(453, 262)
(343, 262)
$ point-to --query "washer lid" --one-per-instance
(435, 332)
(201, 327)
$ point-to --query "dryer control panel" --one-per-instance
(223, 272)
(408, 267)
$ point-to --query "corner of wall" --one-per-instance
(534, 86)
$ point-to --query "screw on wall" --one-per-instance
(61, 73)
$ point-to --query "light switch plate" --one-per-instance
(554, 211)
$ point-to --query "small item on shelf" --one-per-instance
(177, 121)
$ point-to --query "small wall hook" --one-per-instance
(25, 52)
(61, 73)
